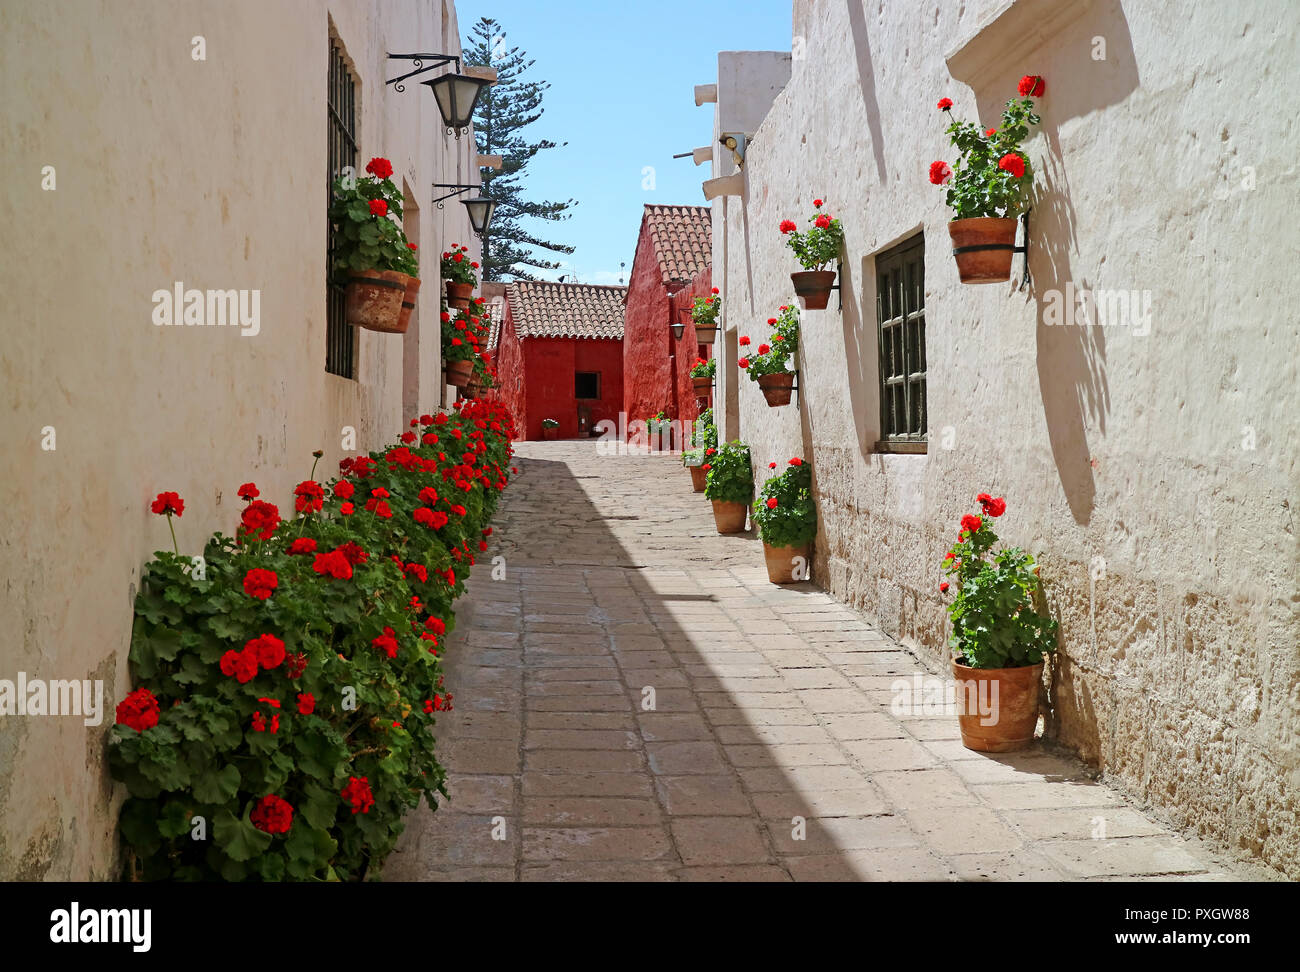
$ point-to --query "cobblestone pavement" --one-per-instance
(770, 703)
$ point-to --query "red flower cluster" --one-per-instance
(379, 168)
(306, 703)
(1012, 162)
(249, 492)
(993, 506)
(167, 504)
(944, 104)
(788, 226)
(971, 523)
(387, 642)
(272, 815)
(344, 489)
(303, 545)
(940, 173)
(333, 564)
(260, 520)
(358, 793)
(260, 583)
(138, 711)
(265, 651)
(310, 496)
(378, 207)
(822, 221)
(1031, 86)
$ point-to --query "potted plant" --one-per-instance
(770, 364)
(460, 341)
(550, 429)
(371, 257)
(730, 486)
(702, 373)
(704, 441)
(998, 637)
(458, 271)
(704, 315)
(409, 265)
(816, 249)
(787, 521)
(989, 186)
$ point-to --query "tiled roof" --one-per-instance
(496, 312)
(682, 238)
(544, 309)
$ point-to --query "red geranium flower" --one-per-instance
(943, 587)
(354, 554)
(944, 104)
(309, 495)
(138, 711)
(168, 503)
(343, 489)
(269, 649)
(386, 642)
(995, 507)
(379, 168)
(346, 509)
(771, 502)
(990, 132)
(242, 665)
(715, 290)
(940, 173)
(796, 461)
(1013, 163)
(743, 362)
(763, 349)
(788, 226)
(333, 564)
(744, 342)
(249, 492)
(358, 793)
(260, 519)
(306, 703)
(260, 583)
(971, 523)
(378, 207)
(817, 204)
(707, 466)
(822, 221)
(272, 815)
(771, 465)
(1031, 86)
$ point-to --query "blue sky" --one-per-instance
(622, 79)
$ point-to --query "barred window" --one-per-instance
(340, 339)
(900, 317)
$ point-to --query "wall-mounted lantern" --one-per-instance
(480, 208)
(456, 94)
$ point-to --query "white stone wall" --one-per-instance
(212, 173)
(1154, 473)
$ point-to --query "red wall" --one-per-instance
(656, 366)
(510, 373)
(606, 358)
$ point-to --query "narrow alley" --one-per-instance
(635, 701)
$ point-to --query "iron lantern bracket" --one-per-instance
(418, 60)
(456, 188)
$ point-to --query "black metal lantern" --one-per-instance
(457, 94)
(480, 212)
(678, 328)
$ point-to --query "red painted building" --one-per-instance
(559, 355)
(672, 265)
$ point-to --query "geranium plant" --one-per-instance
(784, 510)
(286, 692)
(817, 247)
(704, 437)
(550, 423)
(774, 358)
(366, 214)
(704, 369)
(704, 311)
(731, 479)
(992, 176)
(462, 335)
(994, 621)
(457, 267)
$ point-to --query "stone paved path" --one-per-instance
(770, 703)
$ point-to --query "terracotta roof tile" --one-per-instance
(683, 239)
(545, 309)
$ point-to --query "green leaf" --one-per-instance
(217, 786)
(175, 819)
(238, 838)
(139, 825)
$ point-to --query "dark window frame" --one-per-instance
(340, 338)
(900, 338)
(582, 398)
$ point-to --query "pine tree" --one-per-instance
(502, 112)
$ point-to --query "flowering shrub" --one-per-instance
(705, 309)
(457, 267)
(994, 624)
(366, 214)
(704, 439)
(704, 369)
(819, 246)
(992, 175)
(287, 692)
(730, 479)
(773, 359)
(549, 423)
(784, 511)
(463, 335)
(660, 424)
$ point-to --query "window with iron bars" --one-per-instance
(900, 319)
(340, 339)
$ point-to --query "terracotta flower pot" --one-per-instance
(698, 477)
(776, 388)
(702, 386)
(459, 373)
(781, 563)
(408, 303)
(459, 294)
(991, 243)
(472, 390)
(550, 434)
(705, 333)
(374, 300)
(729, 517)
(813, 287)
(1004, 698)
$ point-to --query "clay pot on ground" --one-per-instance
(408, 303)
(459, 294)
(1004, 698)
(459, 373)
(991, 243)
(729, 517)
(698, 477)
(782, 562)
(374, 300)
(550, 434)
(776, 388)
(813, 287)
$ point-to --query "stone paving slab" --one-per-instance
(634, 701)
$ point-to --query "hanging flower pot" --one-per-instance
(458, 295)
(408, 303)
(374, 300)
(983, 247)
(703, 387)
(698, 478)
(997, 708)
(783, 562)
(459, 373)
(472, 390)
(458, 270)
(704, 314)
(813, 287)
(776, 388)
